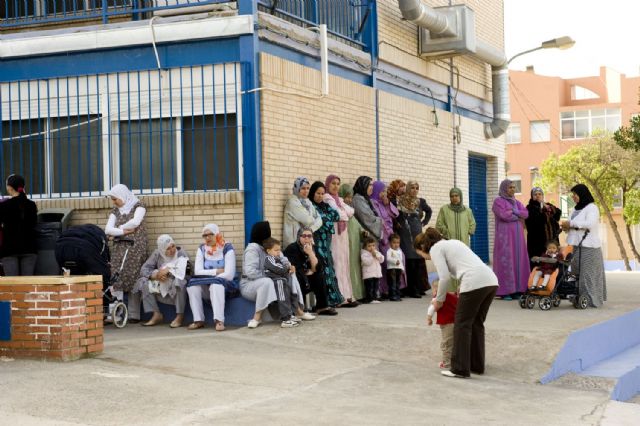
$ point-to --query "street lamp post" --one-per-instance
(556, 43)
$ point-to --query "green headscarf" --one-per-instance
(456, 207)
(345, 189)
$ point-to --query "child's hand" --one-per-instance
(429, 321)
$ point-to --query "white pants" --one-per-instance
(199, 292)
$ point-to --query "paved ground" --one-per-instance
(373, 365)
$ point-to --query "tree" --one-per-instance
(601, 165)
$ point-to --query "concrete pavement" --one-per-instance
(373, 365)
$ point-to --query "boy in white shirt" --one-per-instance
(395, 267)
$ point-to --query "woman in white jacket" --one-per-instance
(587, 259)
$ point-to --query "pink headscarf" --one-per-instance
(327, 182)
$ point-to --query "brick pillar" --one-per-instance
(58, 318)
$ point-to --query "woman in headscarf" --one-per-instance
(587, 260)
(303, 257)
(387, 212)
(415, 213)
(340, 239)
(542, 224)
(255, 285)
(18, 218)
(322, 237)
(214, 276)
(162, 279)
(126, 224)
(455, 220)
(299, 211)
(510, 258)
(364, 212)
(396, 189)
(355, 244)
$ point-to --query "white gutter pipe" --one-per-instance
(437, 22)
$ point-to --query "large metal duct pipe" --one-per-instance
(426, 17)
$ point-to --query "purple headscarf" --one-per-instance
(342, 225)
(504, 188)
(386, 212)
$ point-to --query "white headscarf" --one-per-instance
(164, 241)
(123, 193)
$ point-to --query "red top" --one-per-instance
(447, 313)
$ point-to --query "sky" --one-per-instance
(606, 34)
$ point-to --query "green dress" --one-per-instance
(355, 235)
(322, 238)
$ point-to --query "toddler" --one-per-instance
(546, 269)
(445, 319)
(395, 267)
(371, 259)
(278, 268)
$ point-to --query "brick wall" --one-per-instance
(53, 318)
(181, 216)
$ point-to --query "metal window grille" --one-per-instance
(156, 131)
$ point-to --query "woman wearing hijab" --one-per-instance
(415, 213)
(455, 221)
(18, 218)
(126, 223)
(387, 212)
(364, 212)
(340, 239)
(162, 279)
(322, 238)
(355, 245)
(255, 285)
(587, 260)
(214, 276)
(510, 258)
(396, 188)
(542, 223)
(303, 257)
(299, 211)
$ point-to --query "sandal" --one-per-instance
(219, 326)
(176, 323)
(196, 325)
(152, 321)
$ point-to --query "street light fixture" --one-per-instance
(557, 43)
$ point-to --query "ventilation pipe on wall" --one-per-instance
(451, 31)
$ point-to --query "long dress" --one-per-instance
(409, 225)
(340, 246)
(136, 256)
(456, 225)
(542, 227)
(387, 213)
(322, 237)
(355, 269)
(510, 258)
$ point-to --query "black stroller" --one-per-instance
(83, 250)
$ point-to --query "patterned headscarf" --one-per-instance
(297, 185)
(213, 228)
(164, 241)
(456, 207)
(409, 203)
(342, 225)
(393, 188)
(532, 202)
(123, 193)
(504, 188)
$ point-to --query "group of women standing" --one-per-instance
(513, 251)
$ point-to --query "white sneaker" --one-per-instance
(375, 301)
(448, 373)
(253, 324)
(289, 324)
(307, 316)
(295, 319)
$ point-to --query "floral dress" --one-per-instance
(322, 238)
(136, 256)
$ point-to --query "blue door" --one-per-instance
(478, 204)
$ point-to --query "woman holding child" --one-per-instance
(478, 285)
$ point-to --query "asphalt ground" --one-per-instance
(370, 365)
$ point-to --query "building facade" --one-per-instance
(210, 109)
(551, 115)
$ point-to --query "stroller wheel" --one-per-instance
(581, 302)
(523, 301)
(555, 299)
(545, 303)
(120, 314)
(530, 302)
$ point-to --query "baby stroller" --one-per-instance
(563, 284)
(83, 250)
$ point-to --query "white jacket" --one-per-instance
(589, 218)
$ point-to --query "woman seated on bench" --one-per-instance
(163, 279)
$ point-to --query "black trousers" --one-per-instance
(393, 281)
(319, 290)
(468, 331)
(371, 289)
(416, 277)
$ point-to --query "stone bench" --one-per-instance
(51, 317)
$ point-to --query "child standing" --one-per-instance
(445, 319)
(371, 259)
(546, 269)
(395, 267)
(278, 268)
